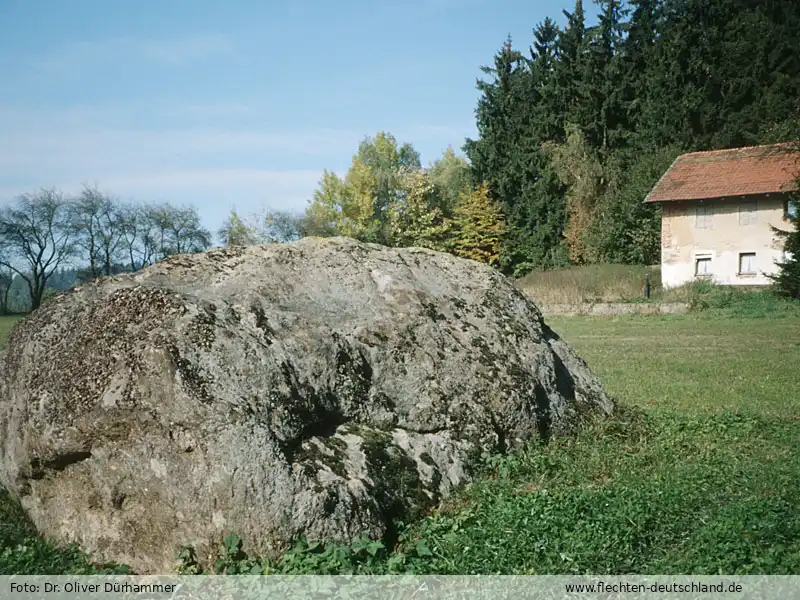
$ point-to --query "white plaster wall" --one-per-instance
(723, 241)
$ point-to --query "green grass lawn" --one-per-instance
(698, 473)
(6, 323)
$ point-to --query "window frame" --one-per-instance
(750, 216)
(752, 273)
(706, 216)
(704, 259)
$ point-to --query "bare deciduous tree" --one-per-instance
(35, 238)
(176, 230)
(149, 233)
(41, 231)
(98, 228)
(137, 242)
(283, 226)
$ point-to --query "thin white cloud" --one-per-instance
(215, 191)
(107, 149)
(78, 57)
(56, 144)
(182, 51)
(92, 141)
(185, 184)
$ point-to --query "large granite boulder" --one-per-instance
(322, 388)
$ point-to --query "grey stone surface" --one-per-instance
(321, 388)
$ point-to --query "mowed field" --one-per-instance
(698, 473)
(695, 364)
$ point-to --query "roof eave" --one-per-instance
(696, 198)
(655, 187)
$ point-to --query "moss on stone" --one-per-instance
(332, 455)
(397, 486)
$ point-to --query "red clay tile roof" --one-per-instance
(735, 172)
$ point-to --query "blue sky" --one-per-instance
(239, 103)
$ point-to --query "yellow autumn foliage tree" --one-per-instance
(478, 227)
(323, 214)
(358, 203)
(388, 198)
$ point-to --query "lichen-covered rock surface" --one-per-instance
(320, 389)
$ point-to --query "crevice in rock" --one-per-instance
(543, 414)
(324, 426)
(58, 462)
(548, 334)
(565, 383)
(319, 414)
(502, 443)
(191, 376)
(118, 500)
(262, 323)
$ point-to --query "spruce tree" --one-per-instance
(786, 282)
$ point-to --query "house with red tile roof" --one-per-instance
(719, 208)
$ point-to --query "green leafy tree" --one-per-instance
(625, 229)
(652, 78)
(237, 232)
(451, 176)
(571, 68)
(324, 212)
(603, 117)
(516, 112)
(271, 226)
(358, 205)
(415, 219)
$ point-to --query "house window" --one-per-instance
(702, 266)
(747, 263)
(702, 216)
(790, 209)
(747, 212)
